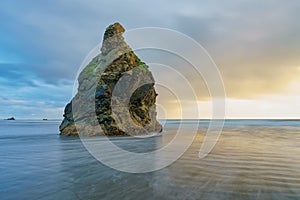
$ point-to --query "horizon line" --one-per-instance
(282, 119)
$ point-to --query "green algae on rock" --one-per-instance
(116, 95)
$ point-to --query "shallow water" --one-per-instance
(253, 159)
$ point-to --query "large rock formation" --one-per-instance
(116, 94)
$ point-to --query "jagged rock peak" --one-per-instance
(113, 29)
(113, 38)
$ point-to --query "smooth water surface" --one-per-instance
(253, 159)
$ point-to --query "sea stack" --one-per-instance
(11, 118)
(116, 95)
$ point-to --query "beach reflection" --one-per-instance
(252, 160)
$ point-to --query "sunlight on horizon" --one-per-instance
(268, 106)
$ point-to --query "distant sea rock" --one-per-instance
(101, 105)
(11, 118)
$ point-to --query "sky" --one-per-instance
(255, 45)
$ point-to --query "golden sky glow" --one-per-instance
(255, 44)
(285, 104)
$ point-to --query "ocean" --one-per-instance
(253, 159)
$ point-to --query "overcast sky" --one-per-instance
(255, 44)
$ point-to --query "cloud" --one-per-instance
(240, 35)
(27, 96)
(42, 44)
(253, 43)
(12, 101)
